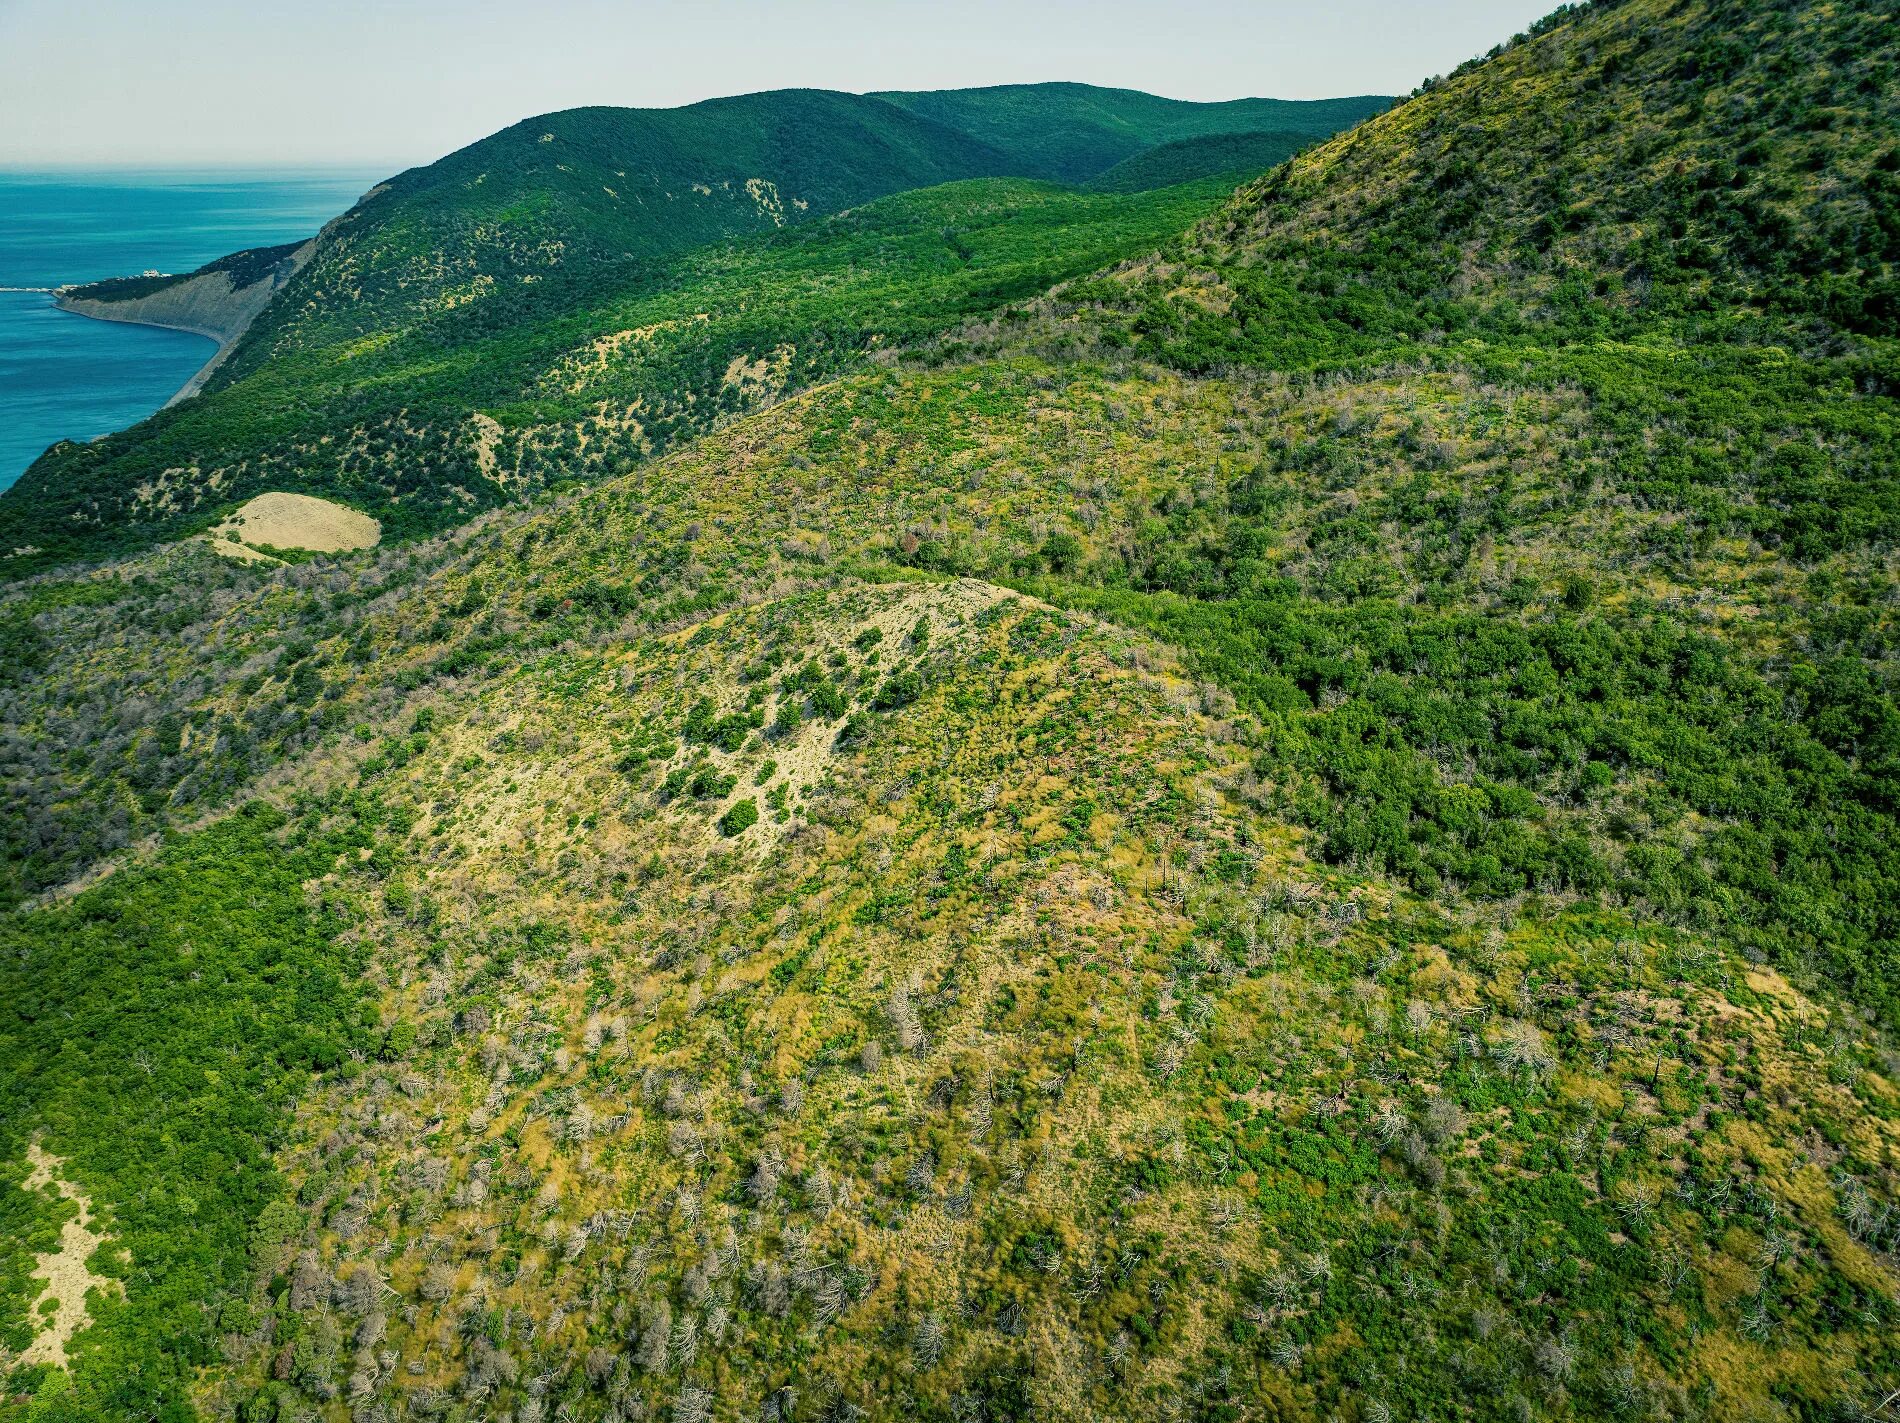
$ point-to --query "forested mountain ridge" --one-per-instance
(1076, 132)
(1206, 155)
(580, 190)
(465, 288)
(1262, 835)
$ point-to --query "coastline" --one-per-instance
(71, 228)
(62, 379)
(198, 377)
(206, 303)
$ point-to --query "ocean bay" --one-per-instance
(67, 377)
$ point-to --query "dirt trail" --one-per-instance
(65, 1270)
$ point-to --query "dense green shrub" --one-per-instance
(157, 1030)
(740, 817)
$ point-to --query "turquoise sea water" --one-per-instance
(66, 377)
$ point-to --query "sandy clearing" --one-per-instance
(65, 1270)
(488, 435)
(298, 521)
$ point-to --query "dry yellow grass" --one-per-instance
(299, 521)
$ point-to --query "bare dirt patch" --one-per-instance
(65, 1270)
(801, 760)
(298, 521)
(487, 437)
(765, 375)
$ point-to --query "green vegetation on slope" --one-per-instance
(578, 383)
(1707, 331)
(1695, 172)
(1016, 1056)
(562, 199)
(156, 1030)
(1076, 132)
(482, 272)
(1235, 156)
(1454, 979)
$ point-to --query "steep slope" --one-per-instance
(445, 413)
(217, 300)
(1683, 160)
(509, 234)
(1715, 171)
(563, 197)
(1074, 132)
(1715, 411)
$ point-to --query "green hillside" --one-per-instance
(1235, 156)
(1074, 132)
(556, 198)
(468, 285)
(440, 414)
(1716, 174)
(1718, 411)
(1302, 826)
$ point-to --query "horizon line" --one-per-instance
(266, 164)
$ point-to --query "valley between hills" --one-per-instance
(1007, 754)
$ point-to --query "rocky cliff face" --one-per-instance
(219, 301)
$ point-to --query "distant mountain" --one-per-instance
(1234, 155)
(1073, 132)
(565, 198)
(569, 197)
(561, 197)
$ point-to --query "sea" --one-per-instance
(66, 377)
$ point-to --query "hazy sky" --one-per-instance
(395, 82)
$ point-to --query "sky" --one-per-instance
(398, 82)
